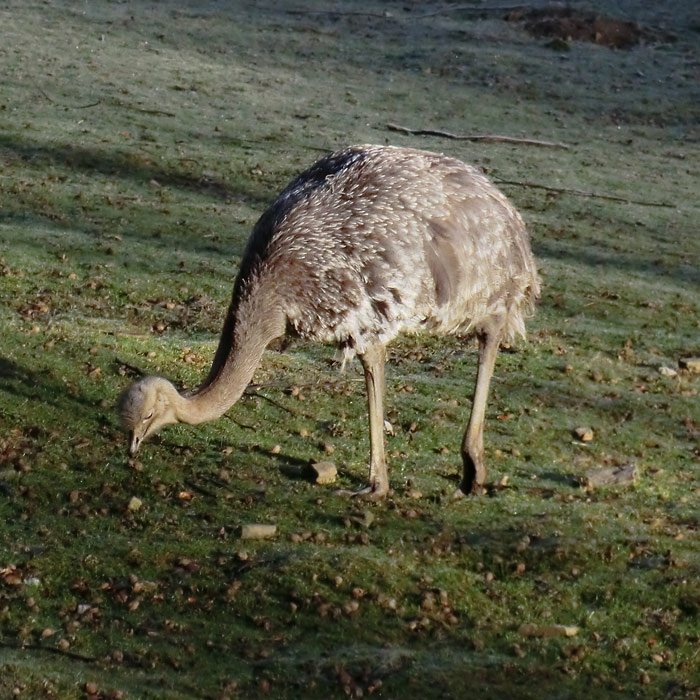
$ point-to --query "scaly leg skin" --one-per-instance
(373, 364)
(473, 441)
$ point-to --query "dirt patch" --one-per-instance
(564, 23)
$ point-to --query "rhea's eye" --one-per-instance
(148, 417)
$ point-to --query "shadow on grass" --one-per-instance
(39, 387)
(124, 164)
(686, 275)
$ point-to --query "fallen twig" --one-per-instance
(376, 15)
(132, 369)
(240, 424)
(485, 138)
(254, 393)
(67, 106)
(148, 111)
(581, 193)
(473, 8)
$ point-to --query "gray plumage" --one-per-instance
(369, 242)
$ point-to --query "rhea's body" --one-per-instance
(369, 242)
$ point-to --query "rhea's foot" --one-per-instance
(462, 491)
(472, 482)
(474, 474)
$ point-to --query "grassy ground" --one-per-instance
(139, 142)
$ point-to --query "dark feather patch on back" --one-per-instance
(297, 190)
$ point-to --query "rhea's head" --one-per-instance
(145, 407)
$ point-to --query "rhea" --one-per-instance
(369, 242)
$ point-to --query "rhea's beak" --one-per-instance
(134, 443)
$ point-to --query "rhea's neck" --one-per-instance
(249, 327)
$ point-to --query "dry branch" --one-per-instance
(67, 106)
(473, 8)
(376, 15)
(143, 110)
(485, 138)
(581, 193)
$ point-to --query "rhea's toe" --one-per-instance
(471, 488)
(458, 494)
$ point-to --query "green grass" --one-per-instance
(139, 142)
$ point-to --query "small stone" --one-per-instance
(625, 474)
(135, 504)
(584, 434)
(275, 450)
(328, 448)
(690, 363)
(304, 433)
(668, 372)
(523, 543)
(258, 532)
(351, 607)
(324, 472)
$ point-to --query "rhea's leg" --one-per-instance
(373, 365)
(473, 441)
